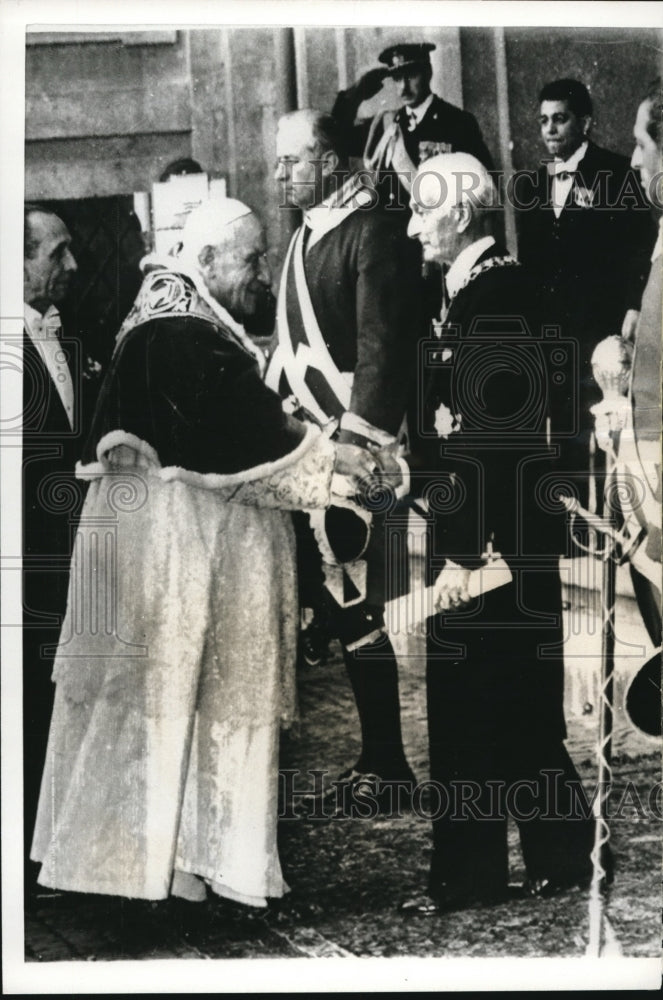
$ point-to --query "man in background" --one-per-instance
(52, 441)
(393, 144)
(586, 241)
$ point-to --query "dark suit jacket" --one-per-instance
(443, 124)
(365, 286)
(489, 480)
(51, 495)
(496, 378)
(591, 264)
(52, 501)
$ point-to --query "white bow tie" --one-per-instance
(560, 170)
(50, 322)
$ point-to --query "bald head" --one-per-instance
(452, 195)
(450, 179)
(224, 241)
(48, 263)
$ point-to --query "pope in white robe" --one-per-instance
(175, 667)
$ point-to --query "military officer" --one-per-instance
(394, 143)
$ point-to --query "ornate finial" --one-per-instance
(611, 366)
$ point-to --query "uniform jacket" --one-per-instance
(442, 123)
(443, 129)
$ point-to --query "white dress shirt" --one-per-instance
(414, 115)
(562, 186)
(331, 212)
(42, 331)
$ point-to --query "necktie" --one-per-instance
(411, 120)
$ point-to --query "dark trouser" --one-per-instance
(537, 786)
(495, 686)
(38, 694)
(373, 674)
(648, 603)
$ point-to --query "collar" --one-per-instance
(322, 218)
(420, 110)
(464, 263)
(155, 261)
(36, 323)
(568, 166)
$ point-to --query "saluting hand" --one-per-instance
(370, 83)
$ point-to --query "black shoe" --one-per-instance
(547, 887)
(449, 900)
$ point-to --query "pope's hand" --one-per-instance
(451, 587)
(388, 471)
(354, 462)
(370, 83)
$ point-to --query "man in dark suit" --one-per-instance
(394, 143)
(348, 325)
(52, 440)
(636, 429)
(494, 664)
(586, 236)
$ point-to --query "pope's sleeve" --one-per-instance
(217, 426)
(388, 300)
(212, 411)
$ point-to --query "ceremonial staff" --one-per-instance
(611, 363)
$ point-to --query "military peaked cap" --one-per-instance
(403, 57)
